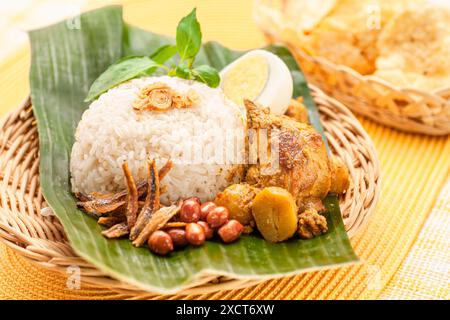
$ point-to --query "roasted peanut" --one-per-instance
(231, 231)
(217, 217)
(205, 208)
(196, 199)
(208, 231)
(160, 243)
(190, 211)
(195, 234)
(178, 237)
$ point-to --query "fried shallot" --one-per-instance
(160, 97)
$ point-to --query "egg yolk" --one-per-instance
(246, 80)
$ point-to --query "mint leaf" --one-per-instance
(123, 70)
(189, 36)
(164, 53)
(207, 75)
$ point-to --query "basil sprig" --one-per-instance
(188, 44)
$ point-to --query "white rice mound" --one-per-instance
(111, 132)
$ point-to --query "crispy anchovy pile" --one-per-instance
(124, 213)
(151, 201)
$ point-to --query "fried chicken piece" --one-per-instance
(311, 224)
(340, 181)
(297, 110)
(301, 164)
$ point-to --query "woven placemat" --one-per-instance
(425, 273)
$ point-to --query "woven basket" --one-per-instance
(409, 110)
(40, 237)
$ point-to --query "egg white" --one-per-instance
(277, 91)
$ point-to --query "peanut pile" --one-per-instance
(197, 223)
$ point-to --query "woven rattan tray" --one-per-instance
(409, 110)
(40, 237)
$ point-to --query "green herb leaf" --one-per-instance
(164, 53)
(189, 36)
(183, 71)
(123, 70)
(206, 74)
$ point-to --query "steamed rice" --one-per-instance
(205, 142)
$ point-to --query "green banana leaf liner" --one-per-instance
(66, 59)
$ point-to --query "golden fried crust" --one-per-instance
(296, 110)
(340, 177)
(304, 168)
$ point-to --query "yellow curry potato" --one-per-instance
(275, 214)
(237, 198)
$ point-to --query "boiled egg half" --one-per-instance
(260, 76)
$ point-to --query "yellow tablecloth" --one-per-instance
(405, 247)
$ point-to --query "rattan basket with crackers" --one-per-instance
(386, 61)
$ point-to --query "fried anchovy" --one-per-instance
(116, 231)
(110, 221)
(157, 221)
(151, 201)
(83, 197)
(104, 203)
(101, 206)
(132, 199)
(165, 169)
(92, 196)
(97, 203)
(175, 224)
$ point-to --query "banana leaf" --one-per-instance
(65, 62)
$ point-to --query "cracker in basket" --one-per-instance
(349, 33)
(305, 15)
(414, 49)
(404, 79)
(339, 47)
